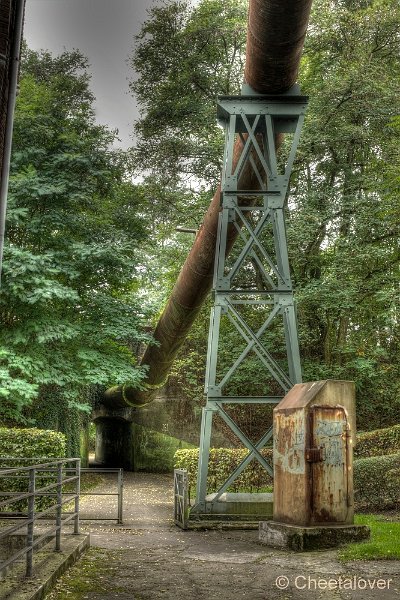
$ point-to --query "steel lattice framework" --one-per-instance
(257, 276)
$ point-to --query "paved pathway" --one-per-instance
(148, 558)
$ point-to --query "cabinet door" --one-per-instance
(329, 430)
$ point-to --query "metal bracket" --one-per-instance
(314, 455)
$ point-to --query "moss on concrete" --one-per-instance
(48, 566)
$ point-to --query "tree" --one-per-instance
(185, 57)
(343, 216)
(344, 219)
(70, 318)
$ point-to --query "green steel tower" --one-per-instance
(256, 277)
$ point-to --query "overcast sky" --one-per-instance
(103, 30)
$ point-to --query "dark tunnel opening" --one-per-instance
(114, 448)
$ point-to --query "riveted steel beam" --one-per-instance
(255, 120)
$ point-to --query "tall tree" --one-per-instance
(69, 318)
(343, 216)
(184, 57)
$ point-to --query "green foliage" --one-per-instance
(384, 543)
(378, 443)
(343, 212)
(377, 482)
(185, 56)
(31, 443)
(69, 317)
(221, 464)
(154, 452)
(344, 220)
(53, 411)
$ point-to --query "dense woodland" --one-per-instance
(91, 257)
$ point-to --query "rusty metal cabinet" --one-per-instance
(314, 431)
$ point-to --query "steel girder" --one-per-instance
(256, 121)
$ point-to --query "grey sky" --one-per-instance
(103, 30)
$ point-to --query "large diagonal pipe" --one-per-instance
(275, 38)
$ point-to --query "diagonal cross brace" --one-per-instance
(249, 347)
(252, 240)
(260, 350)
(245, 440)
(243, 464)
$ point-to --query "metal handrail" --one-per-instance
(34, 473)
(119, 493)
(47, 474)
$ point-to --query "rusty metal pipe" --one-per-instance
(276, 32)
(275, 38)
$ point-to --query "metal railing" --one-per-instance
(119, 493)
(32, 483)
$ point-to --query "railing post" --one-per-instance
(59, 507)
(31, 516)
(77, 492)
(120, 494)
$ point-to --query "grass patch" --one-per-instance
(89, 575)
(383, 545)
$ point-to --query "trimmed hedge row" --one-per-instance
(222, 462)
(376, 479)
(28, 443)
(377, 482)
(380, 442)
(31, 443)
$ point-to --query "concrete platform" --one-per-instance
(232, 511)
(298, 538)
(241, 503)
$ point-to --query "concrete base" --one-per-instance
(231, 510)
(240, 504)
(220, 523)
(296, 537)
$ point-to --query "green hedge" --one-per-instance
(378, 443)
(28, 443)
(222, 462)
(31, 443)
(377, 482)
(376, 479)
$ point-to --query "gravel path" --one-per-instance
(149, 558)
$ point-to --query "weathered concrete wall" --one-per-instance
(146, 438)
